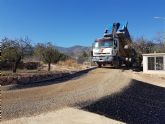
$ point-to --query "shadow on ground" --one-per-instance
(139, 103)
(62, 79)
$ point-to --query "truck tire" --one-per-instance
(128, 64)
(99, 65)
(116, 64)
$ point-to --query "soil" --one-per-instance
(83, 91)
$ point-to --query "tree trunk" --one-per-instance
(15, 64)
(15, 67)
(49, 66)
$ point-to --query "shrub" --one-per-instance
(5, 65)
(69, 63)
(32, 65)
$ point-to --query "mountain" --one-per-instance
(73, 51)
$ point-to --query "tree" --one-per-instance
(84, 56)
(38, 51)
(47, 53)
(141, 46)
(160, 43)
(63, 57)
(15, 50)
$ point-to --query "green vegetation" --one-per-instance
(84, 56)
(47, 53)
(143, 46)
(14, 51)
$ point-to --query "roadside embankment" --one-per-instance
(38, 77)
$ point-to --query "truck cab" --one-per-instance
(105, 50)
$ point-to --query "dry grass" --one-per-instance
(62, 66)
(69, 63)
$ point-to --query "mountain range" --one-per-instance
(73, 51)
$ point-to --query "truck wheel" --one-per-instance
(116, 64)
(99, 65)
(128, 64)
(120, 63)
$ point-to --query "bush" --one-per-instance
(5, 65)
(32, 65)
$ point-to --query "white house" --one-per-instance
(154, 63)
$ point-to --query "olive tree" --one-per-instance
(15, 50)
(47, 53)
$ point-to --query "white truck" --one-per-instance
(114, 48)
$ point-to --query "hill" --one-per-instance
(74, 50)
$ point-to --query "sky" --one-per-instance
(78, 22)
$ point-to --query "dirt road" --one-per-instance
(64, 116)
(81, 92)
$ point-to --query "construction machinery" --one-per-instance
(114, 48)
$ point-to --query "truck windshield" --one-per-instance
(103, 44)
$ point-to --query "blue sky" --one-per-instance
(77, 22)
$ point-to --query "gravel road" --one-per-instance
(84, 92)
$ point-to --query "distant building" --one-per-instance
(154, 63)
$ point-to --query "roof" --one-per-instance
(153, 54)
